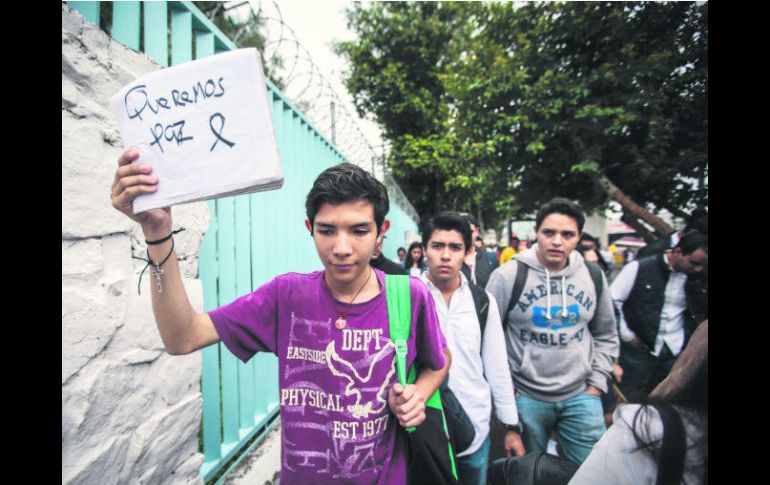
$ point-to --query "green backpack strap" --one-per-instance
(400, 321)
(399, 300)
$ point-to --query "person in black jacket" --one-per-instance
(589, 247)
(384, 264)
(476, 266)
(660, 301)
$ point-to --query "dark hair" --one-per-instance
(583, 250)
(468, 217)
(408, 262)
(686, 388)
(691, 402)
(698, 221)
(345, 183)
(400, 249)
(588, 237)
(448, 221)
(560, 205)
(692, 241)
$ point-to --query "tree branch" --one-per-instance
(660, 227)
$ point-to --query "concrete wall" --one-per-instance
(130, 412)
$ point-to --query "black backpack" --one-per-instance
(481, 302)
(480, 299)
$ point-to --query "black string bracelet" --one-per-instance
(158, 271)
(160, 241)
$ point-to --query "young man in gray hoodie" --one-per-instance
(561, 336)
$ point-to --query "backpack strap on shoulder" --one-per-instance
(522, 270)
(481, 303)
(596, 275)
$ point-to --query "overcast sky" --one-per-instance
(317, 25)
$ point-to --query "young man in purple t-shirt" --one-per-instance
(339, 395)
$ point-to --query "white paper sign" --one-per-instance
(204, 126)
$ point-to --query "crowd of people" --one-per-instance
(539, 334)
(652, 307)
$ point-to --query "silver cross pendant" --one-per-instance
(157, 272)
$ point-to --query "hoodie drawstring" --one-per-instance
(563, 298)
(548, 296)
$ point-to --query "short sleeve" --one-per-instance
(248, 325)
(430, 341)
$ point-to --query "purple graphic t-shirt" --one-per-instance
(336, 426)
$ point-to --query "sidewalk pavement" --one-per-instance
(263, 465)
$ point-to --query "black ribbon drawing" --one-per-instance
(218, 133)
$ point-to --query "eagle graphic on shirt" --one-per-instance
(370, 397)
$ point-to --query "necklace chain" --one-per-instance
(362, 287)
(340, 318)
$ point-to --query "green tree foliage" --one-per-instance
(565, 91)
(519, 103)
(396, 74)
(397, 63)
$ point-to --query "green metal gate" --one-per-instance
(251, 238)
